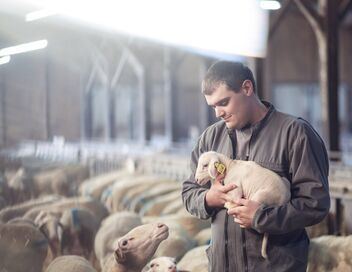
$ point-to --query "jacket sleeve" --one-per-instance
(308, 172)
(193, 195)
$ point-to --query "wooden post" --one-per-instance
(324, 21)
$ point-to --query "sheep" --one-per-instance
(49, 224)
(22, 247)
(113, 227)
(134, 192)
(180, 240)
(176, 245)
(79, 230)
(155, 206)
(88, 203)
(253, 182)
(149, 195)
(161, 264)
(173, 207)
(95, 186)
(326, 226)
(203, 237)
(62, 181)
(70, 263)
(191, 224)
(330, 253)
(4, 192)
(135, 249)
(194, 260)
(19, 186)
(120, 188)
(19, 210)
(71, 231)
(139, 188)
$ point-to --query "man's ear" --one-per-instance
(120, 257)
(247, 87)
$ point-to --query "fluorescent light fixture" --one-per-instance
(270, 5)
(40, 14)
(25, 47)
(222, 26)
(5, 59)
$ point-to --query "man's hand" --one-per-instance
(217, 196)
(243, 211)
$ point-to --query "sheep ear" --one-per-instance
(120, 257)
(40, 219)
(212, 170)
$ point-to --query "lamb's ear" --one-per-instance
(120, 257)
(212, 169)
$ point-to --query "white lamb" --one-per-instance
(253, 181)
(161, 264)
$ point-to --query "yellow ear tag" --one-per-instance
(220, 168)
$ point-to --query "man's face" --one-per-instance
(232, 107)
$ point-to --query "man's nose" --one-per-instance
(219, 113)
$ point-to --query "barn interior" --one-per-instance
(96, 93)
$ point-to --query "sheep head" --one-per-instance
(49, 224)
(209, 167)
(162, 264)
(137, 247)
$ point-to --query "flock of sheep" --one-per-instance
(61, 219)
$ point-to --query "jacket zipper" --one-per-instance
(226, 245)
(244, 250)
(245, 259)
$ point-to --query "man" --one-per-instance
(250, 129)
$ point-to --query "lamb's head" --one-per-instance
(162, 264)
(207, 168)
(49, 224)
(18, 181)
(137, 247)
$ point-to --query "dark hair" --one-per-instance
(225, 72)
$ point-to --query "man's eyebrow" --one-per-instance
(220, 101)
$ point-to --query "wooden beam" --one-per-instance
(278, 17)
(259, 74)
(3, 110)
(311, 14)
(47, 94)
(344, 7)
(332, 38)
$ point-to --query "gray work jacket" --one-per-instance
(289, 146)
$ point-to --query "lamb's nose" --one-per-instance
(161, 225)
(172, 269)
(124, 242)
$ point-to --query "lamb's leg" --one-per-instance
(264, 245)
(233, 195)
